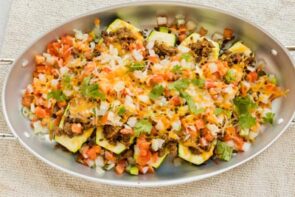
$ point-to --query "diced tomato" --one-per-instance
(27, 100)
(228, 33)
(200, 124)
(39, 59)
(143, 160)
(120, 167)
(155, 157)
(155, 79)
(61, 104)
(92, 152)
(210, 84)
(175, 100)
(181, 37)
(67, 40)
(76, 128)
(40, 112)
(106, 69)
(104, 119)
(109, 156)
(154, 59)
(208, 136)
(203, 31)
(127, 131)
(252, 76)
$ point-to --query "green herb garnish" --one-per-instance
(223, 151)
(186, 56)
(90, 90)
(199, 82)
(136, 66)
(230, 76)
(244, 104)
(269, 118)
(156, 92)
(58, 95)
(176, 69)
(190, 102)
(121, 110)
(179, 85)
(143, 126)
(66, 82)
(246, 121)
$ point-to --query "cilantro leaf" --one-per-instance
(143, 126)
(58, 95)
(190, 102)
(199, 82)
(66, 82)
(136, 66)
(269, 118)
(121, 110)
(156, 92)
(218, 111)
(223, 151)
(230, 76)
(91, 90)
(186, 56)
(244, 104)
(246, 121)
(179, 85)
(176, 69)
(273, 79)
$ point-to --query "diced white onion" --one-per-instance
(54, 82)
(103, 108)
(63, 70)
(144, 98)
(150, 45)
(80, 36)
(213, 67)
(132, 121)
(213, 128)
(32, 107)
(99, 170)
(183, 49)
(99, 161)
(42, 77)
(176, 125)
(162, 20)
(39, 129)
(157, 144)
(246, 146)
(160, 126)
(145, 169)
(30, 88)
(119, 86)
(137, 55)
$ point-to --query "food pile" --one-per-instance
(120, 98)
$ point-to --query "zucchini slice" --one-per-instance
(167, 38)
(238, 47)
(194, 37)
(74, 144)
(197, 159)
(119, 23)
(101, 141)
(159, 161)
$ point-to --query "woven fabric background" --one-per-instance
(272, 173)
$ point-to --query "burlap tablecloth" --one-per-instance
(272, 173)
